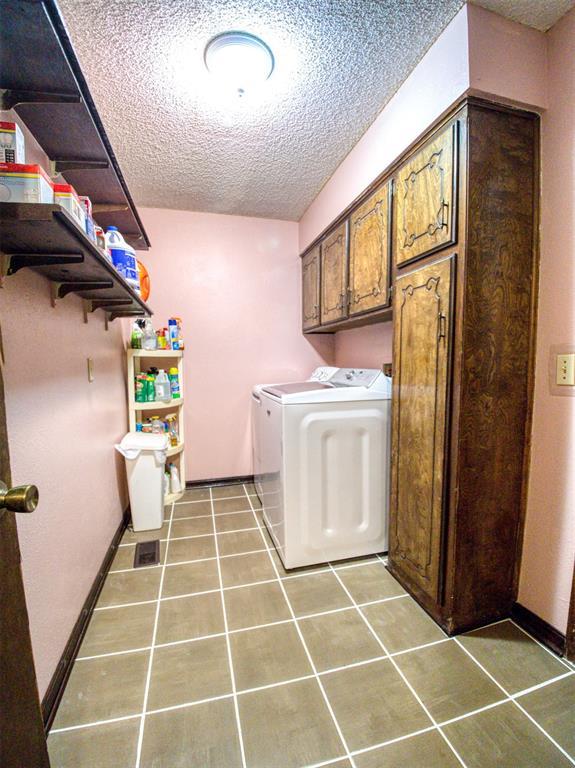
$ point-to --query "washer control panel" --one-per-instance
(354, 377)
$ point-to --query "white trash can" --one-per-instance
(145, 455)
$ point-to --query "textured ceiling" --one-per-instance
(182, 145)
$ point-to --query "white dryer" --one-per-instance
(321, 463)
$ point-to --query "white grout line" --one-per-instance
(94, 724)
(569, 673)
(304, 644)
(514, 701)
(189, 562)
(151, 659)
(398, 670)
(228, 645)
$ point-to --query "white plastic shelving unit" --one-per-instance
(141, 359)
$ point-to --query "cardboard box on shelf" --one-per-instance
(12, 147)
(21, 183)
(67, 197)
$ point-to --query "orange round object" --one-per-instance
(144, 281)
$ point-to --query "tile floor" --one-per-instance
(219, 658)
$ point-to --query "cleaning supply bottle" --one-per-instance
(175, 485)
(123, 258)
(149, 338)
(174, 383)
(137, 334)
(150, 388)
(163, 389)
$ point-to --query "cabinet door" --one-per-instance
(334, 276)
(369, 254)
(425, 199)
(310, 289)
(420, 385)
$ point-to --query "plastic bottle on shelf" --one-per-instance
(137, 335)
(175, 485)
(150, 388)
(174, 383)
(149, 339)
(163, 389)
(123, 258)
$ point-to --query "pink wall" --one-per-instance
(368, 347)
(61, 430)
(235, 282)
(549, 543)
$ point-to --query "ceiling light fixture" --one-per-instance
(239, 60)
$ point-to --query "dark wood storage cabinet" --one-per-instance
(369, 283)
(464, 308)
(310, 269)
(334, 276)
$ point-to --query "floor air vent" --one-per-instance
(147, 553)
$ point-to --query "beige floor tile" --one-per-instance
(102, 689)
(255, 501)
(190, 577)
(187, 617)
(235, 521)
(130, 587)
(119, 629)
(336, 639)
(133, 537)
(195, 526)
(447, 680)
(112, 745)
(372, 704)
(268, 655)
(227, 491)
(428, 750)
(285, 573)
(370, 582)
(196, 494)
(505, 738)
(260, 604)
(314, 593)
(553, 707)
(239, 541)
(512, 657)
(402, 624)
(189, 672)
(193, 509)
(182, 550)
(224, 506)
(250, 488)
(201, 736)
(124, 557)
(289, 726)
(246, 569)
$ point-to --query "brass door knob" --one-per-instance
(22, 498)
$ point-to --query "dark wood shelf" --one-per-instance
(42, 81)
(45, 238)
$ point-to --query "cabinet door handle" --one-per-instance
(442, 326)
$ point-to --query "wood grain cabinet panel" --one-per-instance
(424, 199)
(334, 276)
(369, 271)
(310, 270)
(421, 364)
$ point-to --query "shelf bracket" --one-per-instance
(71, 164)
(19, 261)
(11, 98)
(131, 313)
(60, 290)
(110, 304)
(109, 207)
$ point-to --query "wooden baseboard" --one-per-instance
(60, 677)
(539, 628)
(221, 481)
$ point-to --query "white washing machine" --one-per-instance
(321, 464)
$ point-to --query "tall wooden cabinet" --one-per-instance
(310, 271)
(465, 228)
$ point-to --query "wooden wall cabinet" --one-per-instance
(425, 198)
(310, 270)
(369, 252)
(334, 276)
(462, 389)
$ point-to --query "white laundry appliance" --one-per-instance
(321, 464)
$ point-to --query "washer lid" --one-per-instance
(279, 390)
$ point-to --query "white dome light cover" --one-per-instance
(239, 60)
